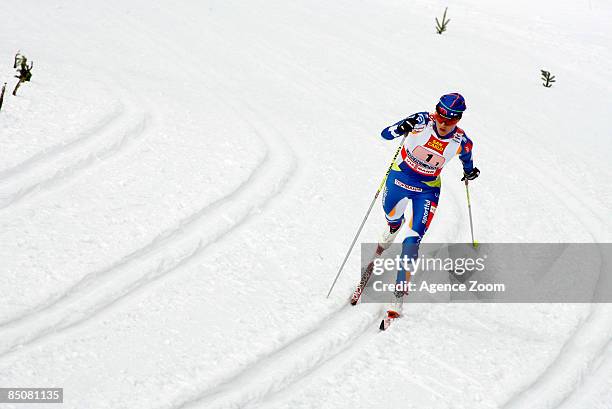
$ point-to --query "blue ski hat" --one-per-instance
(451, 106)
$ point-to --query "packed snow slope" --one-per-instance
(180, 181)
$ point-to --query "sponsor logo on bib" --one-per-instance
(436, 144)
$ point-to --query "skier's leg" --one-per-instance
(423, 209)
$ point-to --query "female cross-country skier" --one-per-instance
(414, 182)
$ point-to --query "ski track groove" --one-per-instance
(101, 289)
(573, 361)
(95, 147)
(63, 174)
(299, 358)
(46, 154)
(59, 314)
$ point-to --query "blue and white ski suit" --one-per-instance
(414, 179)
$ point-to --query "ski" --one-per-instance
(366, 273)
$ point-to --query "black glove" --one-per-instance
(407, 125)
(473, 174)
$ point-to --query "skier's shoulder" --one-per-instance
(466, 142)
(460, 133)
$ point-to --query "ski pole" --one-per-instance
(467, 192)
(382, 184)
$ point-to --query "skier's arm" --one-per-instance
(465, 154)
(405, 125)
(470, 172)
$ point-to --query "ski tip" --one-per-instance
(393, 314)
(356, 296)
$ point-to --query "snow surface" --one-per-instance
(180, 181)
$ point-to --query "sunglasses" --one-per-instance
(445, 121)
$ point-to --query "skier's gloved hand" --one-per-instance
(473, 174)
(407, 125)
